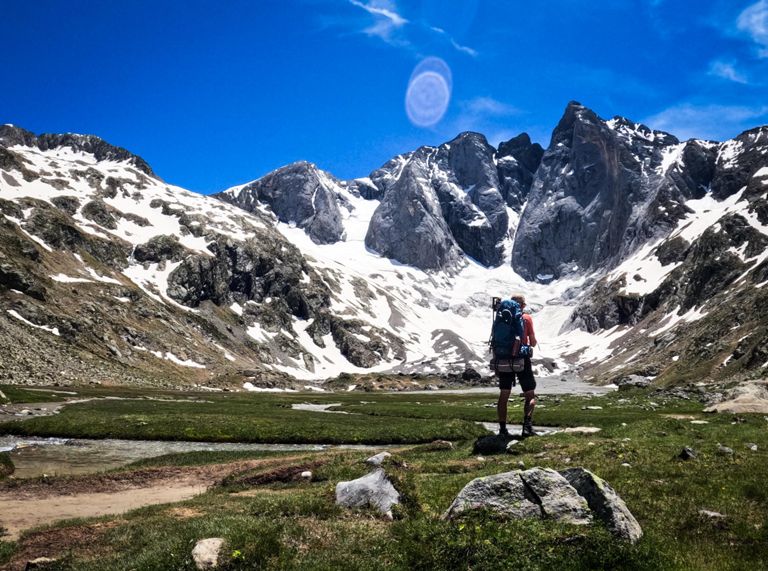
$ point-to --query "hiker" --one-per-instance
(525, 377)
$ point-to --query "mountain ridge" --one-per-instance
(299, 276)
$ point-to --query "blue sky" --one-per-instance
(214, 94)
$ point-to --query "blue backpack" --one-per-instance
(507, 331)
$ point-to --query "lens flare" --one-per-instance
(429, 92)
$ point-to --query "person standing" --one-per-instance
(525, 378)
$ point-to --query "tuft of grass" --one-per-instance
(6, 465)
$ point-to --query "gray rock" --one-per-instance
(593, 167)
(556, 496)
(724, 450)
(687, 454)
(207, 552)
(605, 503)
(636, 381)
(505, 494)
(408, 225)
(517, 161)
(378, 459)
(299, 194)
(374, 490)
(160, 248)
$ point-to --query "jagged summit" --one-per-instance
(10, 135)
(300, 274)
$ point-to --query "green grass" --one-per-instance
(296, 525)
(6, 465)
(237, 418)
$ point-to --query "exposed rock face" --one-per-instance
(299, 194)
(408, 225)
(160, 248)
(373, 490)
(440, 202)
(603, 189)
(100, 149)
(605, 503)
(518, 160)
(738, 161)
(253, 270)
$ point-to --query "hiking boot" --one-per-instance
(528, 429)
(503, 431)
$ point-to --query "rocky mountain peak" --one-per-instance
(299, 194)
(10, 135)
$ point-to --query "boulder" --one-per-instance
(558, 499)
(206, 552)
(605, 503)
(504, 494)
(374, 490)
(635, 381)
(747, 397)
(470, 374)
(572, 496)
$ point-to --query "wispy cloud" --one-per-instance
(456, 45)
(754, 22)
(387, 20)
(727, 70)
(392, 27)
(488, 107)
(718, 122)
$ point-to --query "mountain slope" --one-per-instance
(644, 246)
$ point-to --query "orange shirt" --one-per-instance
(529, 337)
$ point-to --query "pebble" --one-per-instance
(687, 454)
(711, 515)
(626, 465)
(751, 446)
(724, 450)
(306, 475)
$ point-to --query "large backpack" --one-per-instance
(507, 330)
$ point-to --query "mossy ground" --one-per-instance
(295, 524)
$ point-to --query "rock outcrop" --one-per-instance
(299, 194)
(603, 189)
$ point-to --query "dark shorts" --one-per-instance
(524, 378)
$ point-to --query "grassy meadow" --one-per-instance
(271, 519)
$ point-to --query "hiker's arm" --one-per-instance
(532, 335)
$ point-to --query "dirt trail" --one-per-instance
(25, 504)
(19, 515)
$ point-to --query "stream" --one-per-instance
(34, 457)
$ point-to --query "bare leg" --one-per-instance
(501, 406)
(530, 403)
